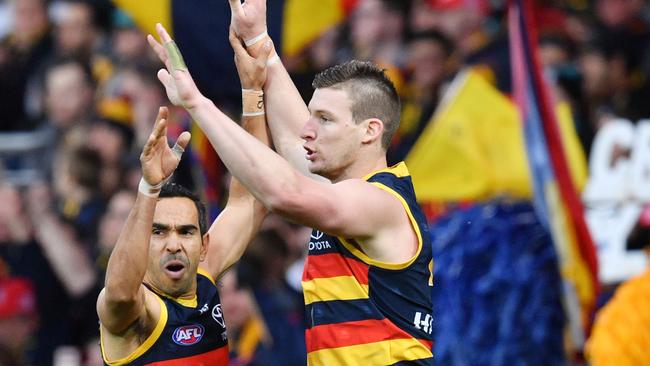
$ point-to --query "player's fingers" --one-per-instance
(148, 146)
(162, 33)
(164, 77)
(183, 139)
(163, 112)
(160, 128)
(157, 47)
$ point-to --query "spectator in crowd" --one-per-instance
(69, 93)
(280, 304)
(22, 53)
(18, 319)
(129, 44)
(111, 139)
(248, 334)
(76, 32)
(21, 255)
(429, 63)
(76, 185)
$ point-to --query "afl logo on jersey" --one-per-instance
(316, 234)
(188, 335)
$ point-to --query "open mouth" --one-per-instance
(175, 269)
(310, 154)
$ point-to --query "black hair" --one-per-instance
(170, 190)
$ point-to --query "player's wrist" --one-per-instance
(260, 36)
(150, 190)
(255, 50)
(252, 102)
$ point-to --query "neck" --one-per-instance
(361, 168)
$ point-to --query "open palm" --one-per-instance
(179, 85)
(158, 160)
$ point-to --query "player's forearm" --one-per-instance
(231, 232)
(64, 253)
(128, 262)
(286, 112)
(241, 218)
(264, 173)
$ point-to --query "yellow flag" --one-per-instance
(305, 20)
(146, 13)
(473, 148)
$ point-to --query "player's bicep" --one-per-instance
(116, 315)
(352, 208)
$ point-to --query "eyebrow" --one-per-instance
(188, 227)
(160, 226)
(319, 111)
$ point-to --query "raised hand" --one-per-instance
(252, 71)
(179, 85)
(248, 19)
(158, 160)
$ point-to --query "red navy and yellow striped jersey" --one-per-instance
(364, 312)
(188, 333)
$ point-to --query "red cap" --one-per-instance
(446, 4)
(477, 5)
(16, 297)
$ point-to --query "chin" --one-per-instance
(176, 287)
(317, 169)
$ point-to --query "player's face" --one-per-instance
(332, 138)
(176, 246)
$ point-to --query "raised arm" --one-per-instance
(123, 299)
(242, 216)
(286, 111)
(351, 208)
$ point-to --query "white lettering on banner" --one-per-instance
(618, 187)
(610, 225)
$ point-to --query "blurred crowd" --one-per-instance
(79, 94)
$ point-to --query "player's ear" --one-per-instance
(373, 130)
(205, 243)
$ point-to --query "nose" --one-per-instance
(173, 244)
(308, 131)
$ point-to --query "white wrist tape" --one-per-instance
(149, 190)
(256, 39)
(253, 114)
